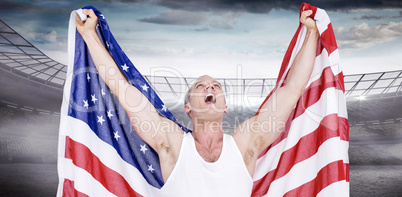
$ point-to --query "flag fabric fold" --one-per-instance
(310, 158)
(99, 153)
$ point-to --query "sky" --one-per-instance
(222, 38)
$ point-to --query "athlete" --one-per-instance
(205, 162)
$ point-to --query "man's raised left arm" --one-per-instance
(257, 133)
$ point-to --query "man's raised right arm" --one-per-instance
(151, 127)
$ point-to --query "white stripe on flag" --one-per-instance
(322, 24)
(309, 121)
(107, 155)
(297, 47)
(83, 181)
(307, 170)
(64, 107)
(340, 188)
(322, 20)
(321, 62)
(335, 62)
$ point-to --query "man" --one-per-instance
(205, 162)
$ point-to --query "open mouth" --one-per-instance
(210, 98)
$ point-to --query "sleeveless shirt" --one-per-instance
(193, 176)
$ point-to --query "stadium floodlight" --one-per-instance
(361, 98)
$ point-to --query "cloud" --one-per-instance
(202, 29)
(262, 6)
(219, 20)
(177, 17)
(399, 16)
(213, 5)
(224, 21)
(28, 7)
(370, 17)
(364, 36)
(374, 17)
(48, 37)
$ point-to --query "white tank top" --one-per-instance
(193, 176)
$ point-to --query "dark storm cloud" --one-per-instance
(177, 17)
(370, 17)
(376, 17)
(264, 6)
(25, 7)
(182, 17)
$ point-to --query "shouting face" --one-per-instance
(205, 99)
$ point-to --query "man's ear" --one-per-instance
(226, 110)
(187, 109)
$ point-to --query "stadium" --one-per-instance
(32, 90)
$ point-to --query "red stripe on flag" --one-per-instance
(346, 166)
(341, 81)
(69, 189)
(288, 54)
(331, 173)
(312, 95)
(83, 157)
(293, 42)
(328, 40)
(324, 42)
(306, 147)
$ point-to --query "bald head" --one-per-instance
(188, 93)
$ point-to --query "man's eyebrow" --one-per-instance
(200, 81)
(217, 82)
(196, 83)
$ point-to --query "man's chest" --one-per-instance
(209, 155)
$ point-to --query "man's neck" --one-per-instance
(208, 133)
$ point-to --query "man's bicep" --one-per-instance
(266, 127)
(156, 131)
(278, 107)
(141, 113)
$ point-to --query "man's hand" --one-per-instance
(307, 21)
(88, 26)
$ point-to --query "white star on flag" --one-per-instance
(124, 67)
(94, 99)
(88, 77)
(103, 92)
(116, 135)
(143, 148)
(150, 168)
(145, 87)
(109, 114)
(164, 108)
(86, 104)
(100, 119)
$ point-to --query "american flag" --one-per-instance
(99, 152)
(310, 158)
(101, 155)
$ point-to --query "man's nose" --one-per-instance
(210, 86)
